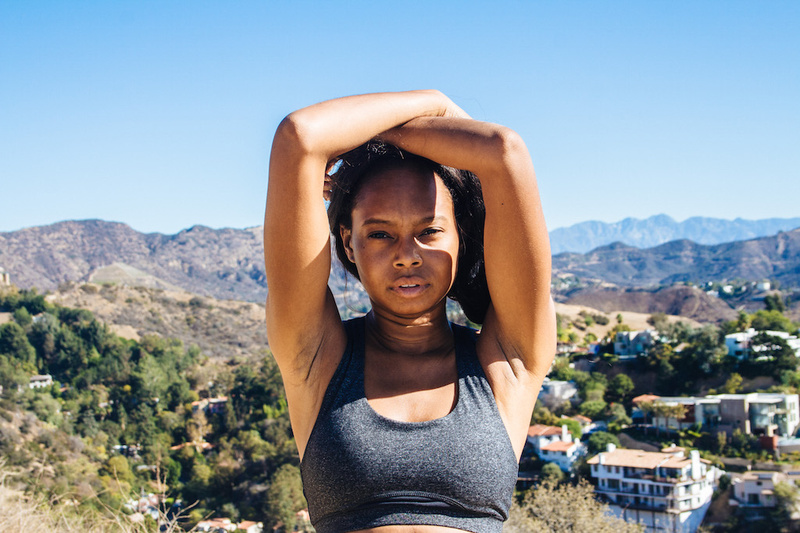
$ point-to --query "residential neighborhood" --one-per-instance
(674, 426)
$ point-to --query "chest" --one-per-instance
(411, 390)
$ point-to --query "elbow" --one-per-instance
(509, 147)
(295, 133)
(506, 152)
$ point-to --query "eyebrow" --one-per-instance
(424, 220)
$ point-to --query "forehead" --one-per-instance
(403, 191)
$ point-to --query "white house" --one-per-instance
(540, 436)
(755, 489)
(738, 344)
(40, 381)
(633, 342)
(555, 393)
(664, 491)
(223, 525)
(563, 453)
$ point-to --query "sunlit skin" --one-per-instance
(404, 242)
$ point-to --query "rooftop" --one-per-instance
(640, 459)
(559, 446)
(540, 430)
(646, 398)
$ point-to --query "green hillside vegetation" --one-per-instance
(66, 442)
(684, 361)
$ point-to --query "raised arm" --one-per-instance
(301, 314)
(521, 320)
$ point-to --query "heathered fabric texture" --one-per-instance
(362, 470)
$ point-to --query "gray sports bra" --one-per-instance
(361, 470)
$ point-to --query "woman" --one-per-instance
(405, 423)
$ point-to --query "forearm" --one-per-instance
(483, 148)
(336, 126)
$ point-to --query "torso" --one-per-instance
(347, 456)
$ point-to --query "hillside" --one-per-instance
(225, 263)
(776, 257)
(224, 329)
(688, 302)
(228, 263)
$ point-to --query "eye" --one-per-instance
(430, 231)
(378, 235)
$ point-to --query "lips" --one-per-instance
(409, 286)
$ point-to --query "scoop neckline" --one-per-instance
(362, 339)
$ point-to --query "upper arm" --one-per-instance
(296, 247)
(517, 255)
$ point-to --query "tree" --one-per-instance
(774, 302)
(23, 317)
(599, 441)
(733, 385)
(769, 355)
(118, 468)
(675, 411)
(787, 504)
(658, 321)
(14, 343)
(593, 408)
(647, 409)
(552, 472)
(771, 321)
(619, 388)
(554, 508)
(285, 496)
(573, 426)
(617, 417)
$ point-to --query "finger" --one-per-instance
(333, 166)
(327, 188)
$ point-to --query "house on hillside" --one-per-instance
(216, 525)
(588, 425)
(210, 405)
(756, 413)
(40, 381)
(563, 453)
(556, 393)
(634, 342)
(5, 278)
(540, 435)
(738, 344)
(753, 492)
(664, 491)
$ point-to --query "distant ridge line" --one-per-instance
(659, 229)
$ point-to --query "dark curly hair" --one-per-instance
(469, 288)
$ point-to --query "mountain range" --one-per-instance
(660, 229)
(228, 264)
(776, 257)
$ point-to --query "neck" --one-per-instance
(429, 334)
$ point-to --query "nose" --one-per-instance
(407, 254)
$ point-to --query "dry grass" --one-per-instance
(636, 321)
(29, 514)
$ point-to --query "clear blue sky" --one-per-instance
(160, 114)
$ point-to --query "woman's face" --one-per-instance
(404, 241)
